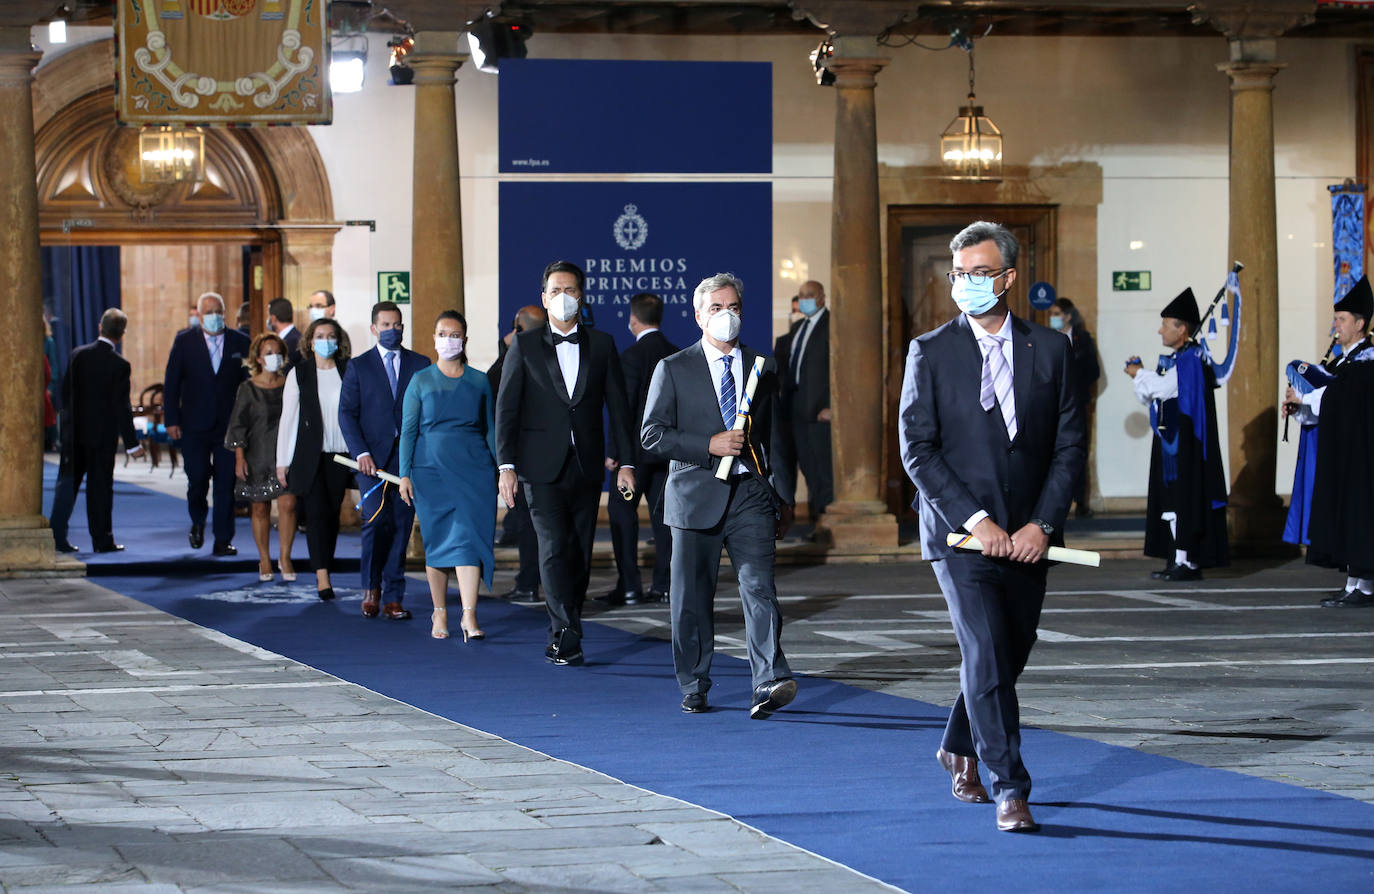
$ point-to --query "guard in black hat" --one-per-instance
(1337, 426)
(1186, 509)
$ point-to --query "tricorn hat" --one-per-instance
(1184, 308)
(1359, 300)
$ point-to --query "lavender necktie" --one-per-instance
(997, 382)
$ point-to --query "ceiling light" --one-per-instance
(971, 146)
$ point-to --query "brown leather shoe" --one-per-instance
(967, 787)
(393, 611)
(1013, 815)
(372, 602)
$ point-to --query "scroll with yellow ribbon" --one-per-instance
(741, 416)
(1054, 553)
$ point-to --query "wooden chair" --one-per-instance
(155, 433)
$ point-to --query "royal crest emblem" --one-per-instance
(630, 230)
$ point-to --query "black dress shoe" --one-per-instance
(1355, 599)
(1159, 575)
(197, 537)
(519, 595)
(634, 597)
(110, 548)
(654, 596)
(772, 697)
(1181, 573)
(63, 546)
(1334, 599)
(562, 651)
(225, 549)
(326, 594)
(694, 703)
(613, 598)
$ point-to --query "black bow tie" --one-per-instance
(570, 339)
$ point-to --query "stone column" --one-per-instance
(858, 518)
(25, 541)
(1256, 512)
(436, 257)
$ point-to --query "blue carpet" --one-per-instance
(153, 527)
(844, 772)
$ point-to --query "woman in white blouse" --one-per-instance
(309, 436)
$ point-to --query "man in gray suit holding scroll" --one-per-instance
(688, 420)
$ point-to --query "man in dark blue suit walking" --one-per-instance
(992, 434)
(370, 402)
(204, 369)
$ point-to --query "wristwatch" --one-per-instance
(1044, 526)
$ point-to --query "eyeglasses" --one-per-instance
(976, 277)
(555, 291)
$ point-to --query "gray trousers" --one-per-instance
(746, 532)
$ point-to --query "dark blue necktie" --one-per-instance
(391, 371)
(727, 394)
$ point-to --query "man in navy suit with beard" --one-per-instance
(371, 398)
(204, 370)
(992, 434)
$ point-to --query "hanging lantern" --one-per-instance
(170, 154)
(971, 146)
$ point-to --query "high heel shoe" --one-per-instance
(288, 576)
(265, 576)
(470, 632)
(440, 630)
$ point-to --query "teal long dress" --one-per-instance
(447, 452)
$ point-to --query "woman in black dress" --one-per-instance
(252, 435)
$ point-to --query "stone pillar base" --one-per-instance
(857, 525)
(26, 547)
(1257, 532)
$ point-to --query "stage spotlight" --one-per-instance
(401, 74)
(490, 41)
(347, 69)
(819, 57)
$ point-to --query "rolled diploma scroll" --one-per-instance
(385, 476)
(1054, 553)
(741, 416)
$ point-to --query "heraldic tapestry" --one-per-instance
(222, 62)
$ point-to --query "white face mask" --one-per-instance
(563, 306)
(449, 347)
(723, 326)
(317, 313)
(272, 362)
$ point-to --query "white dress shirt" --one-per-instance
(644, 332)
(330, 384)
(713, 358)
(1150, 386)
(569, 358)
(985, 343)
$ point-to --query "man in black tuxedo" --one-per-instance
(639, 361)
(281, 319)
(204, 369)
(992, 434)
(693, 402)
(555, 381)
(95, 414)
(803, 356)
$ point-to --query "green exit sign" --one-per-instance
(394, 285)
(1131, 281)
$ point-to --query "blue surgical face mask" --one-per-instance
(974, 299)
(1057, 322)
(317, 313)
(389, 338)
(326, 347)
(213, 323)
(807, 306)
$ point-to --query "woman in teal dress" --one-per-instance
(448, 471)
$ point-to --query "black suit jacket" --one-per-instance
(804, 397)
(95, 399)
(682, 415)
(293, 346)
(536, 420)
(959, 456)
(639, 361)
(196, 397)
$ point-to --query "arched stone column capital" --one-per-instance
(18, 58)
(1251, 75)
(436, 69)
(856, 73)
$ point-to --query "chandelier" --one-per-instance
(971, 146)
(169, 154)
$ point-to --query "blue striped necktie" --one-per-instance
(727, 393)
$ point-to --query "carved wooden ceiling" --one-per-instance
(1141, 18)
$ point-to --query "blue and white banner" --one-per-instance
(587, 116)
(640, 237)
(1347, 236)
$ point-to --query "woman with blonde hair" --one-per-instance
(309, 437)
(252, 435)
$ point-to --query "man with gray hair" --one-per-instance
(992, 435)
(694, 399)
(95, 414)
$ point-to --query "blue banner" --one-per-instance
(640, 237)
(1347, 236)
(574, 116)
